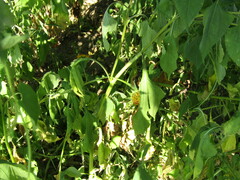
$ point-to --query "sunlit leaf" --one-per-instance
(14, 171)
(106, 109)
(10, 41)
(229, 143)
(50, 81)
(232, 40)
(147, 34)
(233, 125)
(150, 97)
(188, 9)
(141, 173)
(103, 153)
(216, 22)
(71, 172)
(168, 60)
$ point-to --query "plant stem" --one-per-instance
(128, 64)
(17, 111)
(5, 133)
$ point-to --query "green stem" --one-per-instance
(17, 108)
(126, 21)
(90, 164)
(128, 64)
(5, 133)
(61, 156)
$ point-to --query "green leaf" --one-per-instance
(141, 173)
(109, 25)
(188, 9)
(29, 101)
(10, 41)
(72, 172)
(147, 34)
(232, 40)
(205, 150)
(89, 137)
(192, 52)
(7, 19)
(216, 22)
(150, 97)
(115, 142)
(76, 79)
(229, 143)
(106, 109)
(50, 81)
(169, 57)
(186, 104)
(232, 126)
(14, 172)
(220, 72)
(103, 153)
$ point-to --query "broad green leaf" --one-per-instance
(229, 143)
(192, 52)
(147, 34)
(178, 27)
(186, 104)
(216, 22)
(141, 173)
(155, 95)
(50, 81)
(89, 137)
(150, 97)
(7, 19)
(76, 80)
(10, 41)
(52, 106)
(109, 25)
(29, 101)
(198, 165)
(205, 150)
(207, 147)
(72, 172)
(188, 9)
(14, 172)
(103, 153)
(233, 125)
(232, 40)
(106, 109)
(220, 72)
(168, 60)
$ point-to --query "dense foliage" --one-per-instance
(152, 92)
